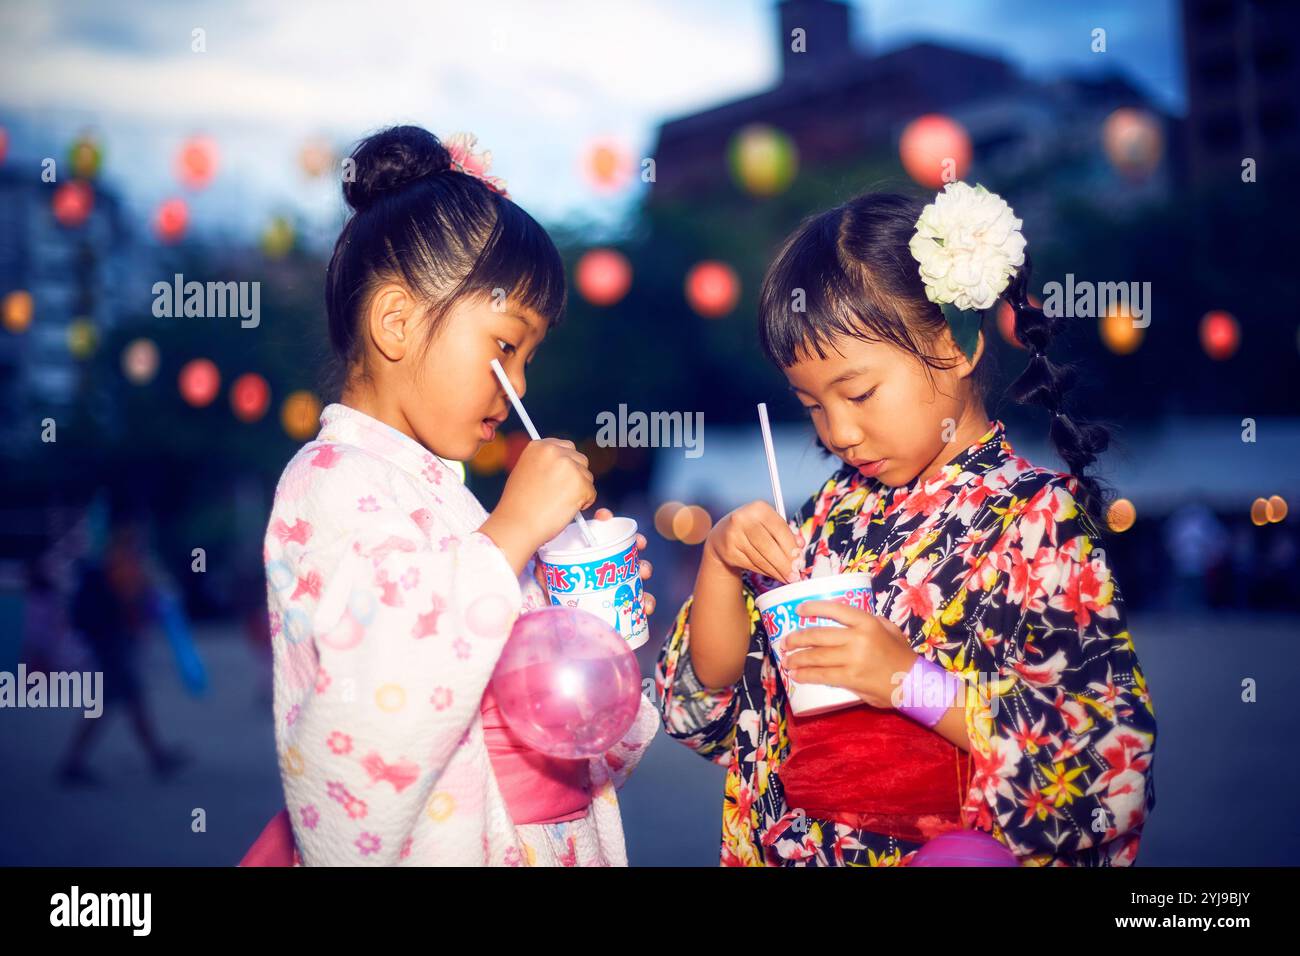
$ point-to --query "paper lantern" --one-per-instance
(603, 276)
(196, 163)
(300, 415)
(935, 150)
(250, 396)
(1220, 335)
(712, 289)
(763, 159)
(199, 382)
(140, 361)
(171, 220)
(72, 202)
(1133, 142)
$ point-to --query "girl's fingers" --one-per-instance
(840, 613)
(783, 558)
(759, 563)
(781, 533)
(647, 603)
(817, 637)
(812, 657)
(645, 569)
(641, 543)
(604, 514)
(832, 676)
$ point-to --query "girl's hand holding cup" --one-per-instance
(755, 538)
(644, 568)
(869, 655)
(549, 484)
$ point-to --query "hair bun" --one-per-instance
(391, 159)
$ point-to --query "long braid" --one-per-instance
(1045, 383)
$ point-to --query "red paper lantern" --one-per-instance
(199, 382)
(250, 396)
(935, 150)
(603, 276)
(712, 289)
(1220, 335)
(196, 163)
(171, 220)
(73, 202)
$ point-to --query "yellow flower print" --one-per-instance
(955, 610)
(892, 858)
(1062, 790)
(1141, 692)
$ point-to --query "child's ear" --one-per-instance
(389, 320)
(974, 360)
(964, 364)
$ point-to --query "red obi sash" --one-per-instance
(874, 769)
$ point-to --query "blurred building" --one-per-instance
(1243, 84)
(82, 271)
(839, 103)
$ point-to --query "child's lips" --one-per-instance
(487, 428)
(870, 468)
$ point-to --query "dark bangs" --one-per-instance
(848, 272)
(520, 258)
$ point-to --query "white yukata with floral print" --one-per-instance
(389, 610)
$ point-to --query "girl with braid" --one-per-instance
(987, 570)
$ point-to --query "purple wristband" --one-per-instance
(917, 692)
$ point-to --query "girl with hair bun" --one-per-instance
(391, 589)
(989, 577)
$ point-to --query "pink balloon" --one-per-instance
(567, 684)
(964, 848)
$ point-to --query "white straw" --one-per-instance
(532, 433)
(777, 500)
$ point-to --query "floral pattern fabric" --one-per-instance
(992, 570)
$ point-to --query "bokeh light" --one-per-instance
(315, 157)
(277, 237)
(199, 382)
(935, 150)
(1276, 508)
(664, 515)
(250, 397)
(72, 202)
(1259, 512)
(300, 415)
(1133, 142)
(712, 288)
(17, 310)
(692, 524)
(85, 156)
(82, 338)
(1220, 335)
(171, 219)
(1119, 333)
(603, 276)
(1121, 515)
(607, 165)
(763, 159)
(491, 458)
(140, 361)
(196, 162)
(4, 143)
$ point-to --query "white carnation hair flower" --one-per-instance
(968, 243)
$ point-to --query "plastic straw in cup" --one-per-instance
(777, 501)
(532, 433)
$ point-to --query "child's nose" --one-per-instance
(842, 431)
